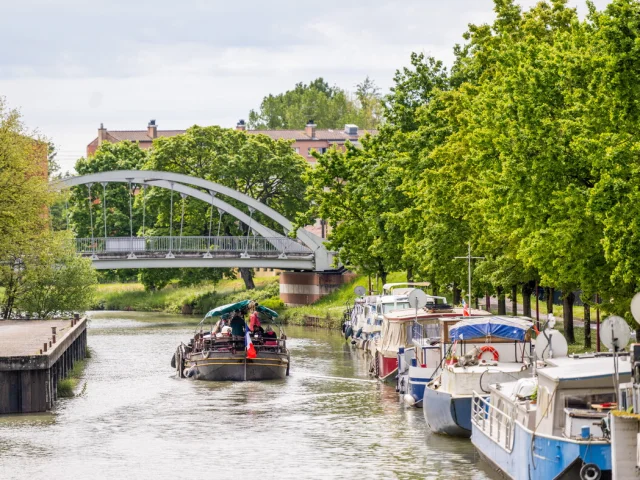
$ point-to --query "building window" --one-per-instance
(321, 150)
(297, 150)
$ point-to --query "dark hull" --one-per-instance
(445, 414)
(222, 366)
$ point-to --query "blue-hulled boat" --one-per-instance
(553, 426)
(479, 352)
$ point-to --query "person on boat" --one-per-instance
(258, 330)
(254, 320)
(220, 324)
(237, 326)
(270, 337)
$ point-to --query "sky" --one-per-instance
(70, 65)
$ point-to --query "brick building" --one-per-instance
(305, 141)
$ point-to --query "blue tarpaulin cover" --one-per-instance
(503, 327)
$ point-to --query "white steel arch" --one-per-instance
(323, 258)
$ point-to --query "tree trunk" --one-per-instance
(247, 276)
(587, 326)
(567, 315)
(526, 299)
(409, 273)
(549, 291)
(514, 300)
(383, 276)
(456, 294)
(477, 304)
(502, 302)
(487, 301)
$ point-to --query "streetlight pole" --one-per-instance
(469, 258)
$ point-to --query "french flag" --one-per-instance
(465, 309)
(248, 344)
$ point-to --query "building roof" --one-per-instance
(330, 135)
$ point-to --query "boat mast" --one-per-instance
(469, 258)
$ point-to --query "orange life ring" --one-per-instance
(489, 348)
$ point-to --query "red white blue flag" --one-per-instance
(248, 344)
(465, 309)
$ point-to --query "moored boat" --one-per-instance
(215, 354)
(506, 341)
(554, 425)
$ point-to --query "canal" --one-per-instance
(133, 419)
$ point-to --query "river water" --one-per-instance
(134, 419)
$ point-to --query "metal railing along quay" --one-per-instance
(211, 245)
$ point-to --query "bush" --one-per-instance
(274, 303)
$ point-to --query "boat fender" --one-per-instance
(590, 471)
(348, 332)
(189, 372)
(489, 348)
(353, 342)
(409, 400)
(173, 361)
(359, 332)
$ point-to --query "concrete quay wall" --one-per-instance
(33, 360)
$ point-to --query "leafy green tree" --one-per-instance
(56, 279)
(329, 107)
(265, 169)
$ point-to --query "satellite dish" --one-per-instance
(635, 307)
(615, 333)
(359, 291)
(558, 348)
(417, 298)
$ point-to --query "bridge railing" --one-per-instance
(250, 245)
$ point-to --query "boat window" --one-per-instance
(588, 399)
(391, 307)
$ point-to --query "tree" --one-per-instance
(329, 107)
(265, 169)
(56, 279)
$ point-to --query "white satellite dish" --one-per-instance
(635, 307)
(359, 291)
(417, 298)
(557, 349)
(615, 333)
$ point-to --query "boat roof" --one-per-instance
(389, 286)
(228, 308)
(409, 315)
(579, 368)
(514, 328)
(268, 311)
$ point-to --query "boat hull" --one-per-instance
(446, 414)
(220, 367)
(553, 457)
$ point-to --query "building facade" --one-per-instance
(304, 141)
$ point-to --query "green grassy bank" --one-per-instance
(67, 386)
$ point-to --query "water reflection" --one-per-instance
(327, 420)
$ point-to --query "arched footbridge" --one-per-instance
(261, 247)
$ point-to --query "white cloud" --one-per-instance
(72, 64)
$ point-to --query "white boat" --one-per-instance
(418, 363)
(479, 352)
(554, 426)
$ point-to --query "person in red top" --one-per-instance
(254, 320)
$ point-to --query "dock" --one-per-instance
(34, 356)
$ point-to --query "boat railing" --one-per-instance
(493, 422)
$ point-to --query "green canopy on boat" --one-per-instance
(268, 311)
(231, 307)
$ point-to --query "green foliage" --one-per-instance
(56, 280)
(329, 107)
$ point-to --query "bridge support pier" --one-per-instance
(305, 288)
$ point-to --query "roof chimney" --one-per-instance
(102, 134)
(310, 129)
(241, 125)
(152, 129)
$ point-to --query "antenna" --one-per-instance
(469, 258)
(359, 291)
(615, 335)
(417, 299)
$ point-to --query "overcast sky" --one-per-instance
(69, 65)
